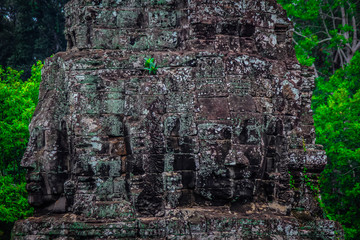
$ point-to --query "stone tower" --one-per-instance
(215, 145)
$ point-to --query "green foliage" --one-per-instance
(327, 37)
(13, 200)
(304, 145)
(18, 100)
(337, 122)
(305, 181)
(30, 30)
(291, 181)
(307, 10)
(304, 48)
(310, 184)
(302, 11)
(150, 65)
(326, 32)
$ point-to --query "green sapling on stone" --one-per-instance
(150, 65)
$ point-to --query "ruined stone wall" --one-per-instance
(205, 148)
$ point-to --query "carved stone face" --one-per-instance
(47, 157)
(217, 125)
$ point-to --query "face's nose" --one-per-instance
(28, 161)
(36, 143)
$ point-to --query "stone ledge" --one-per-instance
(186, 223)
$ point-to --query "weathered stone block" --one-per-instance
(184, 162)
(214, 131)
(117, 146)
(203, 149)
(129, 19)
(163, 19)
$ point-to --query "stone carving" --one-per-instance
(205, 148)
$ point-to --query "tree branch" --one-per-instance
(350, 171)
(324, 40)
(324, 24)
(344, 56)
(354, 32)
(357, 47)
(299, 34)
(343, 21)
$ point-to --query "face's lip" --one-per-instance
(33, 187)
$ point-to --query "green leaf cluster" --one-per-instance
(326, 32)
(150, 65)
(327, 37)
(18, 100)
(13, 200)
(304, 48)
(307, 10)
(302, 11)
(337, 123)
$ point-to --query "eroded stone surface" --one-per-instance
(119, 153)
(190, 223)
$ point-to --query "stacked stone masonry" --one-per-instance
(216, 145)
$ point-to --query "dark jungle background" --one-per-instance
(326, 36)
